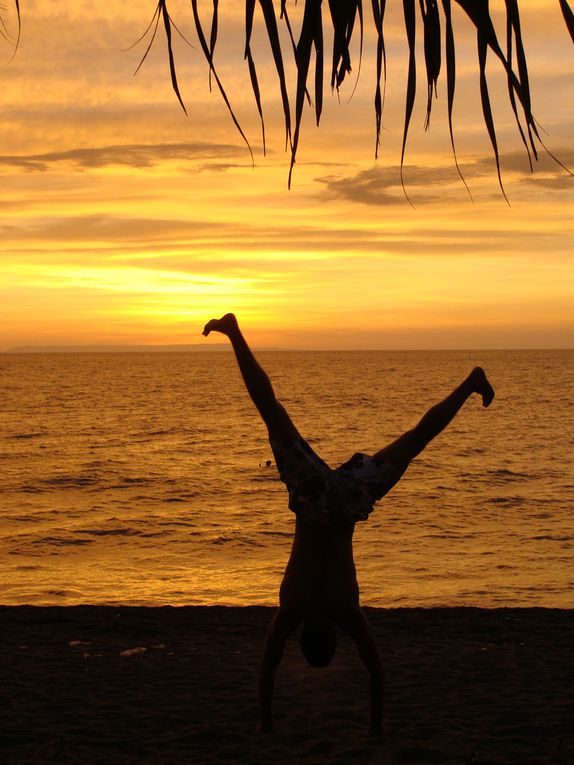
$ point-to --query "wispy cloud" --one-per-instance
(181, 245)
(381, 186)
(129, 155)
(517, 161)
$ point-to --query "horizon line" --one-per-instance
(225, 348)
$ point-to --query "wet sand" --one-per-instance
(464, 685)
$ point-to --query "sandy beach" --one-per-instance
(178, 685)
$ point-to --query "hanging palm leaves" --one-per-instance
(345, 16)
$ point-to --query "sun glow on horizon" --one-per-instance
(122, 220)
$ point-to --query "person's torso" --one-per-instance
(320, 575)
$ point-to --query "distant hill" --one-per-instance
(181, 348)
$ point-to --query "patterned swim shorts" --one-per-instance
(319, 494)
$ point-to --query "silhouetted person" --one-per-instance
(319, 588)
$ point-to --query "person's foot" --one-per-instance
(225, 325)
(482, 386)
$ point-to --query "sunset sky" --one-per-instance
(125, 221)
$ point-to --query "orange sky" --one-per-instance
(124, 221)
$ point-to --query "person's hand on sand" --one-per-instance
(225, 325)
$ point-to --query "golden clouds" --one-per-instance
(121, 219)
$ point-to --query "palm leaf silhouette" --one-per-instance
(342, 18)
(307, 47)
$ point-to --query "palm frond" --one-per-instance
(4, 32)
(379, 7)
(161, 13)
(451, 81)
(17, 3)
(432, 41)
(311, 19)
(167, 26)
(484, 32)
(213, 36)
(209, 57)
(273, 35)
(343, 15)
(410, 26)
(568, 17)
(249, 12)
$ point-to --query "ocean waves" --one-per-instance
(150, 480)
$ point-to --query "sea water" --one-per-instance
(142, 478)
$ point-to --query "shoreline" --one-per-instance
(177, 684)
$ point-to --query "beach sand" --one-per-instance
(464, 685)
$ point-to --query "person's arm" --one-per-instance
(358, 627)
(255, 378)
(281, 626)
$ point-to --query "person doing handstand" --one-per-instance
(319, 588)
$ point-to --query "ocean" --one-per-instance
(141, 478)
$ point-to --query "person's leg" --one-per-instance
(256, 380)
(400, 453)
